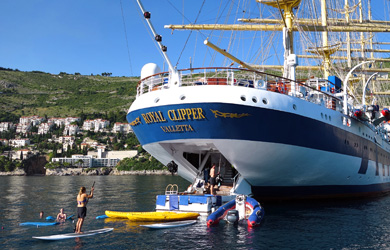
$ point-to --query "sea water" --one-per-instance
(348, 224)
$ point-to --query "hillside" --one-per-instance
(39, 93)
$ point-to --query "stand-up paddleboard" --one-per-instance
(74, 235)
(170, 224)
(39, 224)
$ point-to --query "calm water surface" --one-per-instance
(357, 224)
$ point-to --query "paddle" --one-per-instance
(90, 192)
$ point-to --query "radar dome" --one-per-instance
(149, 69)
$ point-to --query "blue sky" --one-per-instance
(83, 36)
(88, 36)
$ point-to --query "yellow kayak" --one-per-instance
(152, 216)
(116, 214)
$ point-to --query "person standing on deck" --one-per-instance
(212, 179)
(82, 200)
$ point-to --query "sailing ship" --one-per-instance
(290, 131)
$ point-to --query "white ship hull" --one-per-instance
(283, 147)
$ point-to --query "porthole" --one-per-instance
(322, 115)
(243, 98)
(157, 100)
(182, 97)
(265, 101)
(326, 117)
(294, 107)
(330, 118)
(254, 99)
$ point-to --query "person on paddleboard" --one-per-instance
(82, 200)
(61, 217)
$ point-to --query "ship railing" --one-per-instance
(321, 92)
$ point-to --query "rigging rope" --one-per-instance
(127, 42)
(188, 38)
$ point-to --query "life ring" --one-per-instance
(281, 88)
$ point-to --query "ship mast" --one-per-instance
(324, 25)
(174, 79)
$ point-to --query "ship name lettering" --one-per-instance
(177, 128)
(186, 114)
(153, 117)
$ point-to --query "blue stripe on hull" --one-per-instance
(232, 121)
(319, 192)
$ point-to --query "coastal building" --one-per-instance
(87, 161)
(71, 130)
(21, 154)
(84, 145)
(23, 128)
(44, 128)
(97, 125)
(66, 141)
(84, 161)
(6, 126)
(101, 125)
(123, 128)
(100, 153)
(57, 121)
(63, 121)
(33, 120)
(88, 125)
(70, 120)
(19, 142)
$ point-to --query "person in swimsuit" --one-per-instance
(61, 217)
(82, 200)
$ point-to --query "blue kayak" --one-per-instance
(39, 224)
(101, 217)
